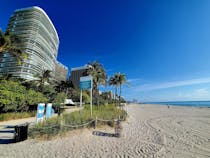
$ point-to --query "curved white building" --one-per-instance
(39, 40)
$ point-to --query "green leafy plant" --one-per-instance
(16, 98)
(58, 102)
(9, 43)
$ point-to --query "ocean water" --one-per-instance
(185, 103)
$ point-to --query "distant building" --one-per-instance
(112, 95)
(39, 39)
(78, 72)
(107, 95)
(61, 72)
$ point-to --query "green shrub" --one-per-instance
(58, 102)
(16, 98)
(74, 94)
(46, 129)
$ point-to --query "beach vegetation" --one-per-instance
(121, 79)
(42, 79)
(58, 102)
(19, 95)
(74, 94)
(9, 44)
(117, 80)
(97, 71)
(113, 82)
(69, 121)
(16, 98)
(65, 86)
(16, 115)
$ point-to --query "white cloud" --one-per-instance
(197, 94)
(133, 80)
(164, 85)
(202, 92)
(194, 95)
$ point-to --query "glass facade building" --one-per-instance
(39, 40)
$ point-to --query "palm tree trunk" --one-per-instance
(97, 97)
(115, 98)
(120, 95)
(67, 91)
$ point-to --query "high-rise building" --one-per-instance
(61, 72)
(39, 39)
(78, 72)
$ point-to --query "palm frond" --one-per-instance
(8, 43)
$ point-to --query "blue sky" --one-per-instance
(162, 46)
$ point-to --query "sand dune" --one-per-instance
(150, 131)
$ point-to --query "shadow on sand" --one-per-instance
(6, 141)
(6, 134)
(99, 133)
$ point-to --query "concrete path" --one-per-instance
(7, 129)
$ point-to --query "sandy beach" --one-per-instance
(150, 131)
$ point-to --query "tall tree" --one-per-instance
(118, 80)
(113, 82)
(43, 78)
(65, 86)
(98, 73)
(121, 80)
(58, 101)
(9, 44)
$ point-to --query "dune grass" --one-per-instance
(16, 115)
(53, 127)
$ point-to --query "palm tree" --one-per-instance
(60, 86)
(68, 86)
(113, 82)
(118, 80)
(43, 78)
(98, 73)
(65, 86)
(9, 44)
(121, 80)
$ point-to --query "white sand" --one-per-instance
(150, 131)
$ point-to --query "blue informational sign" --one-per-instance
(40, 112)
(49, 110)
(85, 85)
(86, 82)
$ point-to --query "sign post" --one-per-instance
(80, 110)
(86, 83)
(91, 101)
(40, 112)
(49, 110)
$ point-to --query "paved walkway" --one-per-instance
(7, 127)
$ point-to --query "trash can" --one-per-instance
(21, 132)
